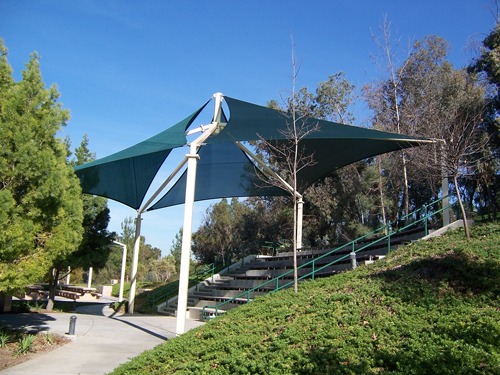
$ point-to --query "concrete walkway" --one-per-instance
(102, 340)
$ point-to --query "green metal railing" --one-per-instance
(422, 215)
(200, 274)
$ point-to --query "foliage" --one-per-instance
(4, 338)
(218, 235)
(487, 64)
(95, 246)
(232, 231)
(40, 204)
(161, 270)
(24, 345)
(20, 345)
(426, 96)
(147, 255)
(176, 250)
(433, 309)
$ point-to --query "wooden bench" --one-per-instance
(78, 289)
(68, 294)
(96, 295)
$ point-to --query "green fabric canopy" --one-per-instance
(224, 170)
(332, 146)
(126, 175)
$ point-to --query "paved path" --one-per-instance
(102, 340)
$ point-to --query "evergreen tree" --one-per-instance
(95, 246)
(40, 197)
(488, 64)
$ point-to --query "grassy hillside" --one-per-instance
(429, 308)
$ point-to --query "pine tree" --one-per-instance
(40, 205)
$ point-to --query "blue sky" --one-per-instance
(128, 69)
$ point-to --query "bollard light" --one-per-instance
(72, 324)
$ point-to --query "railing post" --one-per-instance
(352, 255)
(313, 268)
(424, 213)
(389, 232)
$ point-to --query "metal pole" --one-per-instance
(300, 212)
(72, 325)
(124, 263)
(444, 189)
(89, 281)
(186, 240)
(135, 262)
(122, 274)
(163, 185)
(192, 158)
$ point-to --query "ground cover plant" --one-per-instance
(17, 346)
(430, 307)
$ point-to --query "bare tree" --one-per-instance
(393, 99)
(459, 125)
(291, 157)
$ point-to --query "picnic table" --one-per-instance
(77, 289)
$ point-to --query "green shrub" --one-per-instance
(24, 345)
(4, 338)
(430, 307)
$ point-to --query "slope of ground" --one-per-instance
(430, 307)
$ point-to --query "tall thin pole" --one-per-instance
(89, 281)
(135, 262)
(192, 160)
(300, 213)
(444, 188)
(124, 263)
(186, 240)
(122, 274)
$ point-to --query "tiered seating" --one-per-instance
(253, 278)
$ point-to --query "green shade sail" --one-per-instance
(223, 169)
(126, 175)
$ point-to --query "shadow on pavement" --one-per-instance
(31, 322)
(145, 330)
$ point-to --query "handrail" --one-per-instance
(196, 277)
(424, 218)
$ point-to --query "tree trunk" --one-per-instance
(462, 209)
(381, 191)
(407, 193)
(5, 302)
(52, 289)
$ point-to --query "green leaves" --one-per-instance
(400, 315)
(39, 194)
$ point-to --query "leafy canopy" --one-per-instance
(40, 204)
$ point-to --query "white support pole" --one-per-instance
(163, 185)
(186, 240)
(124, 264)
(68, 276)
(300, 213)
(89, 281)
(192, 158)
(266, 170)
(122, 274)
(135, 262)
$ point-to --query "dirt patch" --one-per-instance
(10, 354)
